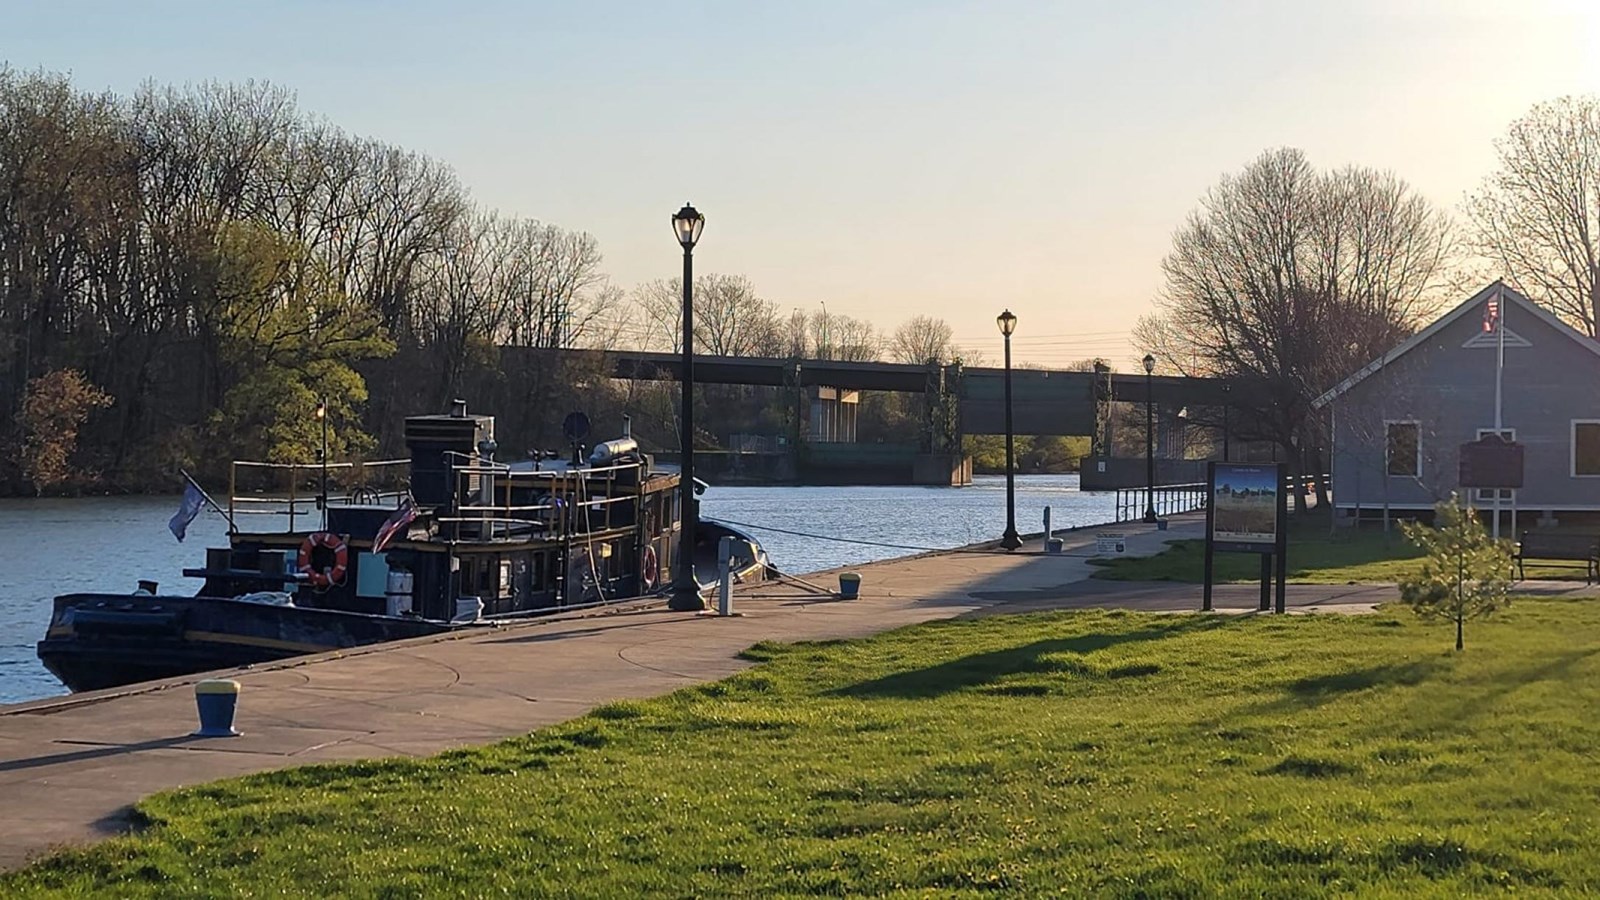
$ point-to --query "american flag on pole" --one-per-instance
(395, 526)
(1491, 313)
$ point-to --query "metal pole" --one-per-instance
(725, 576)
(1010, 540)
(1225, 408)
(1499, 367)
(322, 498)
(685, 590)
(1149, 450)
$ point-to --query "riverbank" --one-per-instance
(72, 766)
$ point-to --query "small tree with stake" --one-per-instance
(1465, 573)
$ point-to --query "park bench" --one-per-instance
(1584, 548)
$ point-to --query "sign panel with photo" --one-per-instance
(1244, 507)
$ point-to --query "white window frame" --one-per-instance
(1572, 449)
(1487, 494)
(1416, 469)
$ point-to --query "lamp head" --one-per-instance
(322, 409)
(687, 224)
(1007, 323)
(1149, 364)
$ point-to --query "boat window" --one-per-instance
(505, 577)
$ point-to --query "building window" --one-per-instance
(1404, 448)
(1585, 447)
(1487, 494)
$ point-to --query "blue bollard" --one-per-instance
(217, 699)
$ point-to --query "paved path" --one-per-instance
(70, 767)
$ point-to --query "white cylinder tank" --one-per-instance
(610, 450)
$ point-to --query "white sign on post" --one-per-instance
(1109, 543)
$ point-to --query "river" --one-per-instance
(61, 546)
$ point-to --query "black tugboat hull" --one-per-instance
(100, 641)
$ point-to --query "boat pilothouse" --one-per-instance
(457, 537)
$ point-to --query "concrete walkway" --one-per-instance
(70, 767)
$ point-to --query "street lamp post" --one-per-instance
(1227, 389)
(685, 590)
(1149, 441)
(1009, 540)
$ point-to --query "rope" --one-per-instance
(828, 537)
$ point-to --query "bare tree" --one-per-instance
(1287, 279)
(1538, 216)
(730, 318)
(922, 339)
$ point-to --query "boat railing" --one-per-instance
(575, 495)
(295, 489)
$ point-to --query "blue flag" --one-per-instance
(193, 499)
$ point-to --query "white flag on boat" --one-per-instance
(193, 499)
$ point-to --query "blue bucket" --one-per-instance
(217, 699)
(849, 585)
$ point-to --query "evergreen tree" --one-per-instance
(1465, 572)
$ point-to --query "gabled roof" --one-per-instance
(1508, 296)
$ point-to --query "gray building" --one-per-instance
(1398, 423)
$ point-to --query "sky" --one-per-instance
(887, 159)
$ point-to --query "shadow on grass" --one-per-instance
(1320, 688)
(981, 669)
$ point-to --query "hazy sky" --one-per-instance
(886, 158)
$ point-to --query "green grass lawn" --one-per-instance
(1092, 753)
(1315, 557)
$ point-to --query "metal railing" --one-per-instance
(581, 499)
(291, 486)
(1172, 499)
(1168, 499)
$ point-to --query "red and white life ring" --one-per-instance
(650, 569)
(319, 573)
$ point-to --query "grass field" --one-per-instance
(1091, 753)
(1315, 557)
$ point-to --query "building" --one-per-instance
(1399, 422)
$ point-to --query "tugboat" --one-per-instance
(472, 540)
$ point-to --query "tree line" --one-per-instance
(186, 273)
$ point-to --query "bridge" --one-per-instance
(1043, 401)
(957, 401)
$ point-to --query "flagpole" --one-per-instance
(1499, 370)
(207, 497)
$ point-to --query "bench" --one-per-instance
(1584, 548)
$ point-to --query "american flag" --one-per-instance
(1491, 313)
(395, 525)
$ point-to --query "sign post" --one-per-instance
(1246, 512)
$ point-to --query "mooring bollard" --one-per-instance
(849, 585)
(1053, 545)
(217, 699)
(725, 573)
(1047, 534)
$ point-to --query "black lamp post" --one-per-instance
(1009, 540)
(1227, 389)
(1149, 441)
(685, 590)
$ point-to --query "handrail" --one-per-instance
(316, 466)
(1172, 499)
